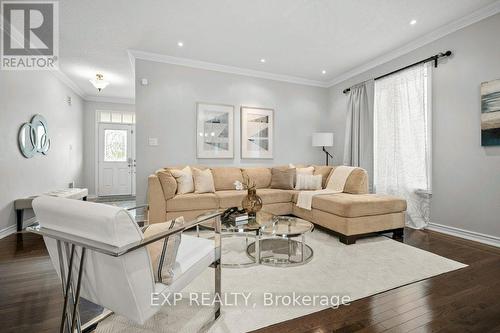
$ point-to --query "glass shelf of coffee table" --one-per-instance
(250, 229)
(282, 242)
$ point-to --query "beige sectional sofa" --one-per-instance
(350, 215)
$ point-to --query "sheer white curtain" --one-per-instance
(402, 140)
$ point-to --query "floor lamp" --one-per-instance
(323, 139)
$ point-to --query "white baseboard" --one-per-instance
(470, 235)
(8, 231)
(13, 228)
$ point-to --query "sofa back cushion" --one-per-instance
(324, 171)
(283, 179)
(168, 183)
(260, 176)
(224, 177)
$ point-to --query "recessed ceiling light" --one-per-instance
(262, 60)
(323, 72)
(180, 44)
(413, 22)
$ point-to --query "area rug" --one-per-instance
(370, 266)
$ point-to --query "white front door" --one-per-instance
(116, 161)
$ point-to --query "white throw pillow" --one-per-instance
(163, 253)
(308, 182)
(302, 171)
(184, 180)
(203, 181)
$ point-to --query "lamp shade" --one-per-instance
(322, 139)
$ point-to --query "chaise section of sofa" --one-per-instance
(351, 214)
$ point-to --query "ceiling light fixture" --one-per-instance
(262, 60)
(99, 82)
(413, 22)
(323, 72)
(180, 44)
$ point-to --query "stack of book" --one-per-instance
(240, 219)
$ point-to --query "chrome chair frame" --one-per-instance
(71, 289)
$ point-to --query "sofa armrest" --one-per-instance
(156, 200)
(357, 182)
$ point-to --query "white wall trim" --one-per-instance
(105, 99)
(136, 54)
(444, 30)
(68, 82)
(8, 231)
(470, 235)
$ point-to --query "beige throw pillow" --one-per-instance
(308, 182)
(283, 179)
(203, 181)
(184, 180)
(164, 252)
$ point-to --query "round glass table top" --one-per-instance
(268, 224)
(287, 226)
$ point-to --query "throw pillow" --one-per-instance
(308, 182)
(282, 178)
(305, 171)
(164, 252)
(203, 181)
(184, 180)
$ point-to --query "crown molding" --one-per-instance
(105, 99)
(478, 15)
(68, 82)
(156, 57)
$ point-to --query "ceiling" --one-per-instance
(297, 38)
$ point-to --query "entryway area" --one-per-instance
(116, 161)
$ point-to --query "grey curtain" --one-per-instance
(358, 149)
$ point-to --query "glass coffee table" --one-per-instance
(277, 240)
(282, 243)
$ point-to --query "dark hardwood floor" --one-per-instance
(466, 300)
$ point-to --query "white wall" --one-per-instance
(166, 109)
(466, 176)
(89, 134)
(23, 94)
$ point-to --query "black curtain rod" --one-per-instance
(433, 58)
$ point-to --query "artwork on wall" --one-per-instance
(490, 113)
(33, 137)
(256, 132)
(215, 130)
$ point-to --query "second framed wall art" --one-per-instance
(257, 129)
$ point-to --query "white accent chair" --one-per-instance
(99, 253)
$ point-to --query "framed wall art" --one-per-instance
(215, 130)
(490, 113)
(257, 132)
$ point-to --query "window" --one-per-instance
(115, 145)
(116, 117)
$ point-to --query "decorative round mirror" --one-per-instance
(33, 137)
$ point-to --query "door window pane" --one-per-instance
(116, 117)
(105, 117)
(128, 118)
(115, 145)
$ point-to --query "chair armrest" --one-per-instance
(119, 251)
(137, 207)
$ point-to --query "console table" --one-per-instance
(26, 203)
